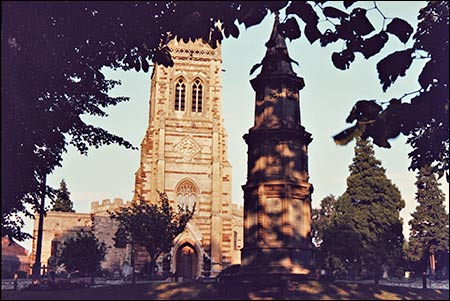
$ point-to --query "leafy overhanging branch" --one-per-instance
(425, 118)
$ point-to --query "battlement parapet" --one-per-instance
(106, 205)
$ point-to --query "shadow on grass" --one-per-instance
(306, 290)
(316, 290)
(146, 291)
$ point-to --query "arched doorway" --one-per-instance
(186, 261)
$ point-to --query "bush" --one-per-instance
(7, 274)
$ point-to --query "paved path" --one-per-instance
(414, 283)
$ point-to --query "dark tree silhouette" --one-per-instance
(62, 202)
(83, 254)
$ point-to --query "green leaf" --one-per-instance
(231, 29)
(360, 23)
(393, 66)
(374, 44)
(364, 110)
(305, 11)
(145, 65)
(332, 12)
(137, 65)
(328, 37)
(342, 60)
(312, 33)
(347, 135)
(400, 28)
(347, 4)
(253, 16)
(345, 30)
(290, 29)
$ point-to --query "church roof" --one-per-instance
(12, 249)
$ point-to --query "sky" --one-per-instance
(325, 102)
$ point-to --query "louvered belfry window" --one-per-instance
(180, 95)
(197, 96)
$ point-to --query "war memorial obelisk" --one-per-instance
(277, 195)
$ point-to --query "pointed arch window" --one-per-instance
(187, 194)
(180, 95)
(197, 96)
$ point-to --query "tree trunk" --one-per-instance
(377, 274)
(152, 265)
(424, 280)
(150, 269)
(432, 264)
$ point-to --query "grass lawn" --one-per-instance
(309, 290)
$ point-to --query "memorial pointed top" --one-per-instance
(276, 60)
(276, 40)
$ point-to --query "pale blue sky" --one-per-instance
(326, 100)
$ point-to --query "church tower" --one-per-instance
(184, 153)
(277, 195)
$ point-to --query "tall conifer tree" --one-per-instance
(429, 224)
(63, 202)
(370, 207)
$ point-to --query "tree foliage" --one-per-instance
(321, 218)
(153, 226)
(424, 118)
(59, 59)
(429, 232)
(365, 229)
(63, 81)
(341, 249)
(62, 202)
(83, 254)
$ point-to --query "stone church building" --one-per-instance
(183, 153)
